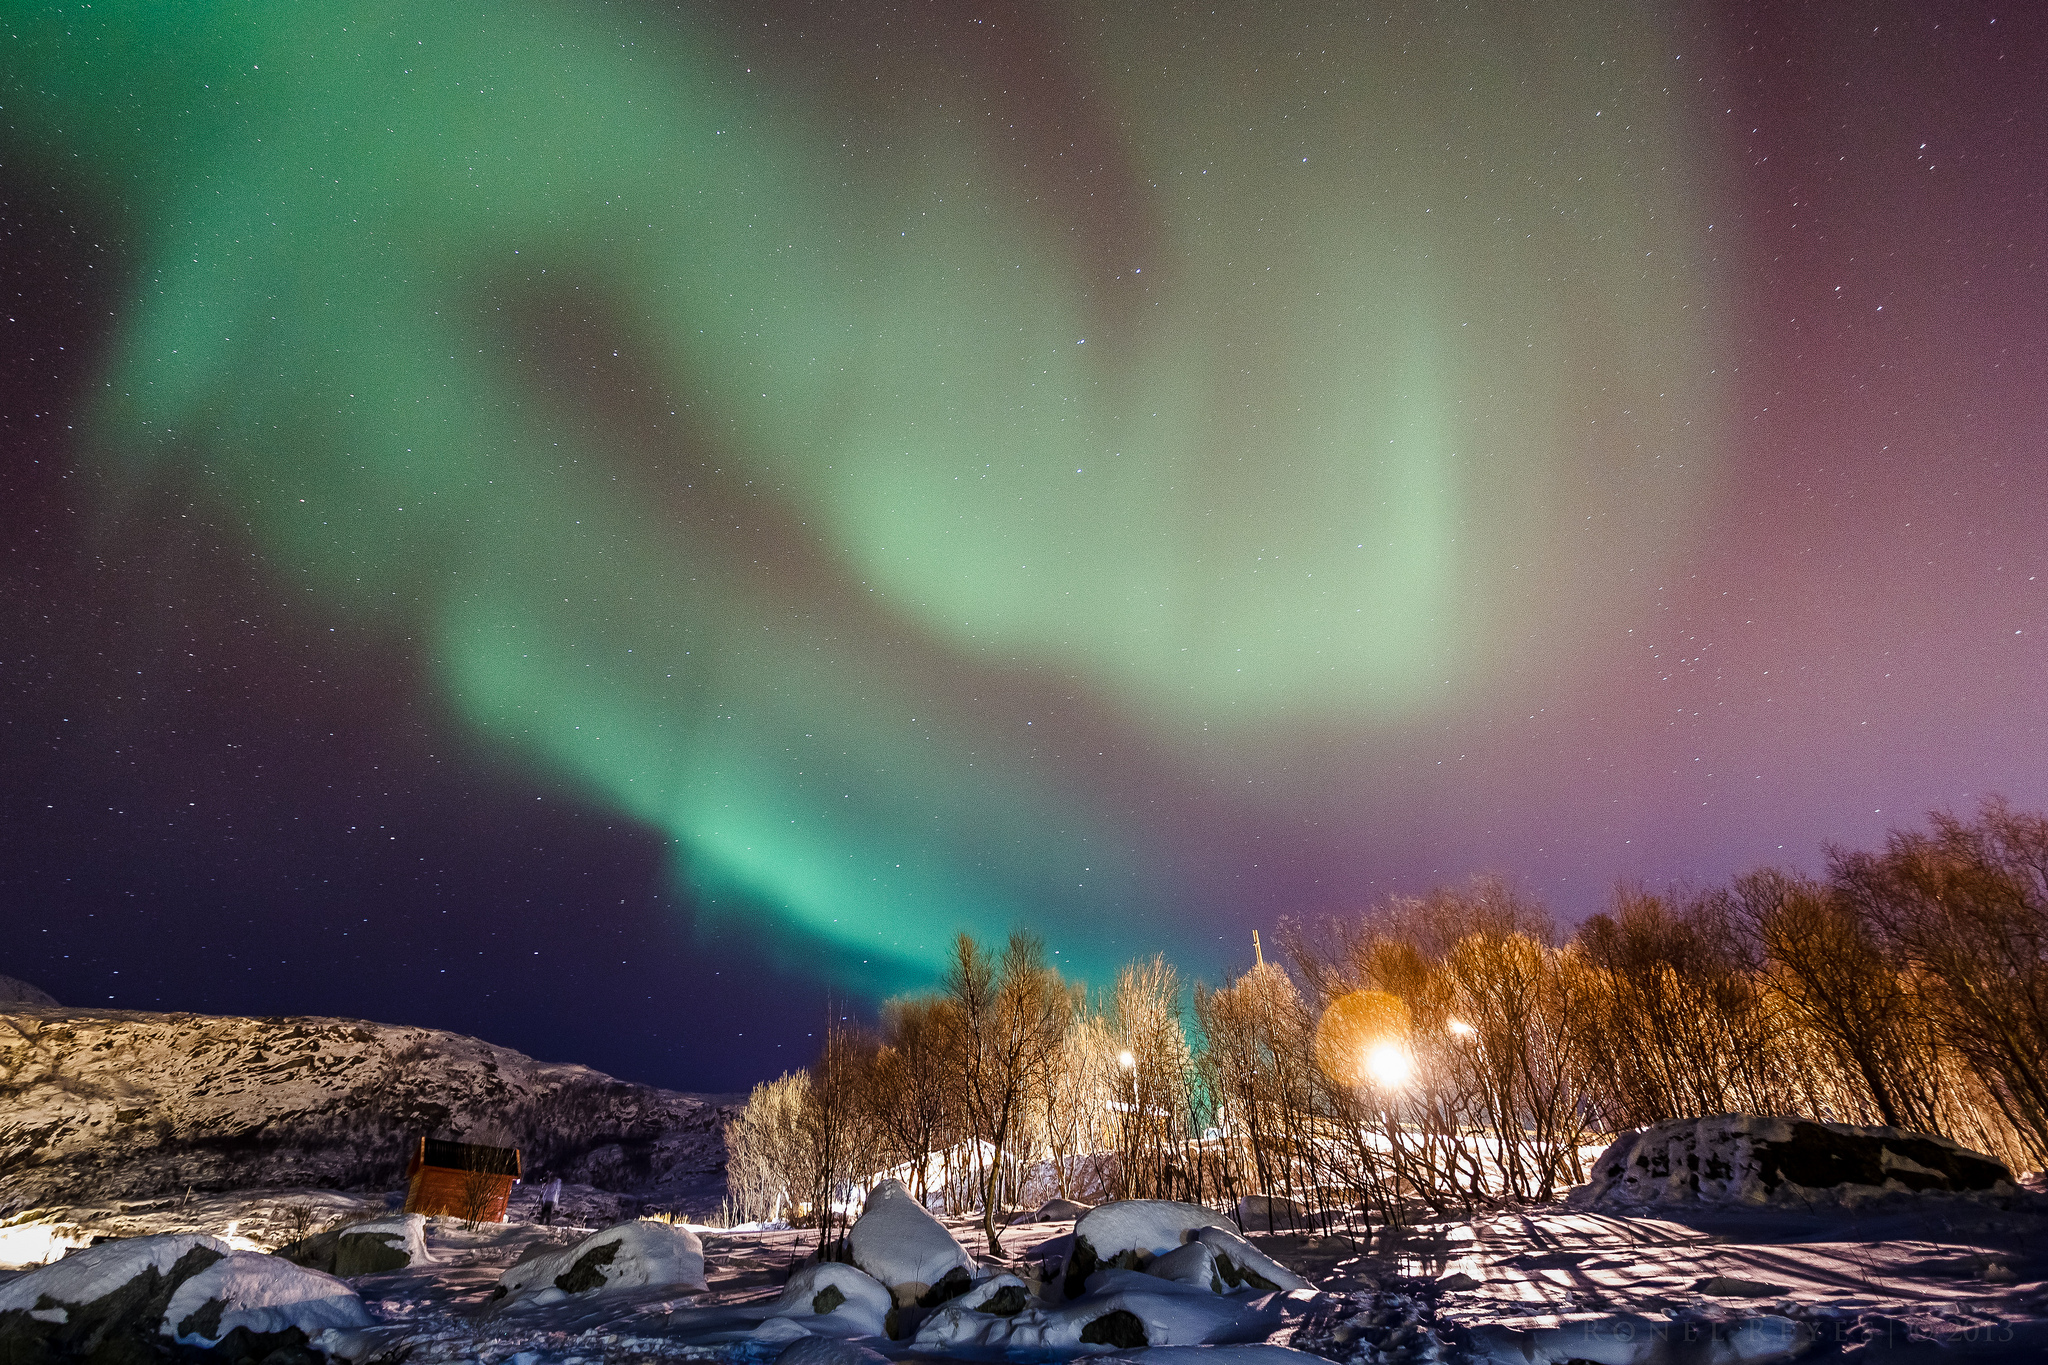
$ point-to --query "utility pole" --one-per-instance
(1258, 953)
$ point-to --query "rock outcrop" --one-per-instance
(1754, 1160)
(117, 1104)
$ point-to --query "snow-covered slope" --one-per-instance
(103, 1104)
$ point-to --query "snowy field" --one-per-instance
(1926, 1278)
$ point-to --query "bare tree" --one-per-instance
(1836, 978)
(1966, 907)
(1013, 1012)
(765, 1167)
(1154, 1090)
(914, 1099)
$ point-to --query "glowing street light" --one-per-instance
(1387, 1065)
(1461, 1029)
(1125, 1060)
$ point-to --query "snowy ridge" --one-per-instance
(104, 1104)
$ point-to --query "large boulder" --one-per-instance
(1754, 1160)
(1131, 1233)
(900, 1244)
(641, 1254)
(266, 1297)
(364, 1248)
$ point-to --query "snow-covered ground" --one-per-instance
(1927, 1278)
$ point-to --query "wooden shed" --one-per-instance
(461, 1179)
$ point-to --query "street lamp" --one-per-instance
(1387, 1065)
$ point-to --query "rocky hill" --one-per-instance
(118, 1104)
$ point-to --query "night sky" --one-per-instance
(606, 527)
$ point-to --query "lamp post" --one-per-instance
(1129, 1063)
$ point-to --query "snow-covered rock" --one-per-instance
(1002, 1294)
(364, 1248)
(1121, 1319)
(636, 1255)
(1057, 1211)
(264, 1294)
(1271, 1213)
(1241, 1264)
(1131, 1233)
(856, 1303)
(1753, 1160)
(907, 1249)
(94, 1274)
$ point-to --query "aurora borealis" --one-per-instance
(823, 477)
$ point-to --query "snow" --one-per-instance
(634, 1255)
(26, 1245)
(1115, 1279)
(903, 1246)
(1148, 1227)
(262, 1293)
(1904, 1277)
(1748, 1159)
(95, 1272)
(1192, 1264)
(1634, 1339)
(1252, 1354)
(826, 1351)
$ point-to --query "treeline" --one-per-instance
(1447, 1051)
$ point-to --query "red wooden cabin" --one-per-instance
(461, 1179)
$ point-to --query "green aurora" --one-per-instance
(767, 446)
